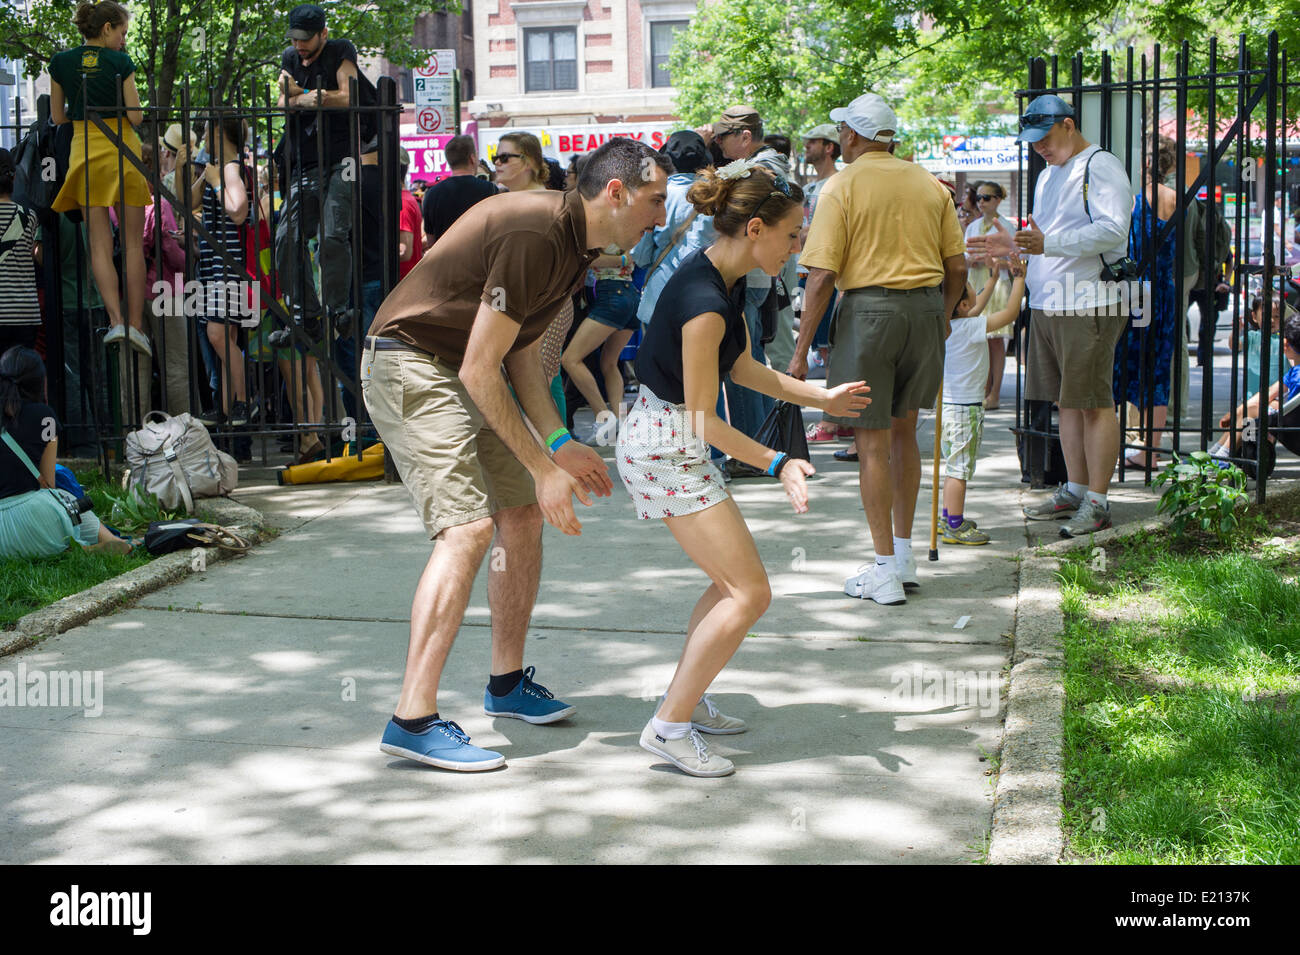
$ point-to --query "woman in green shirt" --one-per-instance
(88, 76)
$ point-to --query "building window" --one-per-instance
(405, 85)
(662, 33)
(466, 85)
(550, 60)
(467, 18)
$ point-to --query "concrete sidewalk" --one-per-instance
(243, 707)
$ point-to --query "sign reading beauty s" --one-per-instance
(435, 95)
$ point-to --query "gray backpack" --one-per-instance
(174, 459)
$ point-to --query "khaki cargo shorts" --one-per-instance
(1071, 357)
(893, 339)
(456, 469)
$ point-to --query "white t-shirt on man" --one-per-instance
(1067, 276)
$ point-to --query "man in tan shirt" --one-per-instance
(431, 374)
(885, 233)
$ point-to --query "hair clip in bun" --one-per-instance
(738, 169)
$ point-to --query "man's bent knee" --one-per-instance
(477, 533)
(526, 519)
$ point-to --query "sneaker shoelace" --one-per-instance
(701, 748)
(452, 729)
(535, 689)
(708, 705)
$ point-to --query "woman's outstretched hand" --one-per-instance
(845, 401)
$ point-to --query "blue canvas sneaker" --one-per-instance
(444, 744)
(529, 701)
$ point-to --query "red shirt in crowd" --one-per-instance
(413, 222)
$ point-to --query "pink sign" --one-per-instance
(428, 159)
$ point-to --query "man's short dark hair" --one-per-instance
(778, 142)
(1291, 331)
(621, 159)
(460, 151)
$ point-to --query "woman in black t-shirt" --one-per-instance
(35, 524)
(696, 336)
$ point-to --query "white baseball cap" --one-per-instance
(869, 116)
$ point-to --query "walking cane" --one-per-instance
(934, 494)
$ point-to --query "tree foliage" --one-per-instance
(941, 63)
(222, 48)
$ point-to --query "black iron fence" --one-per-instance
(250, 286)
(1231, 128)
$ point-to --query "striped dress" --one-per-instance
(19, 306)
(223, 284)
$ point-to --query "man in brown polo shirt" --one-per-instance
(431, 374)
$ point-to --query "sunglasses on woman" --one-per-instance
(500, 158)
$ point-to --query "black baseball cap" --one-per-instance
(305, 21)
(686, 149)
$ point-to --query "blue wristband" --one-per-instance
(560, 441)
(774, 468)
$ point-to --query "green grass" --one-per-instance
(1182, 720)
(27, 585)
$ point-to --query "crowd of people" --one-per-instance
(518, 290)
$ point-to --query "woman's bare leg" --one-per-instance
(609, 370)
(720, 544)
(225, 342)
(586, 339)
(997, 365)
(100, 228)
(132, 219)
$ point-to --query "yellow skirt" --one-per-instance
(93, 177)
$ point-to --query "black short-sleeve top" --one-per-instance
(695, 288)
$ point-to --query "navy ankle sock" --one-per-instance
(505, 683)
(417, 725)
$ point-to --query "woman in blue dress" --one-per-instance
(1151, 343)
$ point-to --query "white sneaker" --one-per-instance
(115, 334)
(707, 718)
(690, 754)
(907, 571)
(882, 586)
(139, 340)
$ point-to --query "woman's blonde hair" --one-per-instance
(531, 150)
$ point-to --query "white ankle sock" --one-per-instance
(670, 730)
(886, 562)
(1097, 499)
(1078, 490)
(1218, 451)
(902, 548)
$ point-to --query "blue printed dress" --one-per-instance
(1156, 340)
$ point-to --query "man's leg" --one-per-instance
(905, 473)
(876, 484)
(514, 570)
(298, 222)
(436, 613)
(1073, 445)
(336, 242)
(1100, 445)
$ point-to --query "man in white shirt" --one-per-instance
(1076, 315)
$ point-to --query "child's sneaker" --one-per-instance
(967, 533)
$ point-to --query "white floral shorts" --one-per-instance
(665, 466)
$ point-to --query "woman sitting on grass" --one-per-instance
(35, 519)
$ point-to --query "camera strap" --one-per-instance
(20, 454)
(1087, 173)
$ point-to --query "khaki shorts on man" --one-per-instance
(456, 469)
(1085, 339)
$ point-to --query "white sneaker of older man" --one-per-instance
(878, 582)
